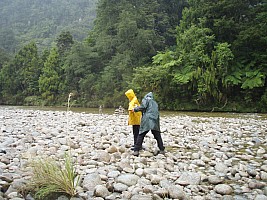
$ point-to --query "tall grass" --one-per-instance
(50, 177)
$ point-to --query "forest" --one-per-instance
(194, 55)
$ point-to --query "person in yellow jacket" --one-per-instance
(134, 117)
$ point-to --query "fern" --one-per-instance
(253, 79)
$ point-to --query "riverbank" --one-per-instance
(206, 158)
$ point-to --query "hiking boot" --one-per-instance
(162, 152)
(143, 148)
(157, 152)
(136, 153)
(2, 151)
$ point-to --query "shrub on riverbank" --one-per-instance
(50, 178)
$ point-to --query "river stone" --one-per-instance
(113, 174)
(148, 189)
(199, 163)
(155, 179)
(256, 185)
(102, 156)
(128, 179)
(142, 182)
(120, 187)
(156, 197)
(62, 197)
(189, 178)
(252, 172)
(113, 196)
(146, 154)
(162, 192)
(12, 195)
(126, 195)
(227, 197)
(4, 160)
(128, 170)
(101, 191)
(176, 192)
(265, 190)
(264, 168)
(112, 149)
(139, 172)
(142, 197)
(213, 179)
(164, 183)
(8, 177)
(261, 197)
(263, 175)
(221, 167)
(195, 155)
(91, 181)
(223, 189)
(124, 163)
(261, 151)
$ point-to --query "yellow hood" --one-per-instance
(130, 94)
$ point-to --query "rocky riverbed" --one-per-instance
(206, 158)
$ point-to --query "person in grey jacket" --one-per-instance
(149, 121)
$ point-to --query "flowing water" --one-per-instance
(162, 112)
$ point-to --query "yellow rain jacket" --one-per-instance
(134, 117)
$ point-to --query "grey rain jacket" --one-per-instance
(150, 114)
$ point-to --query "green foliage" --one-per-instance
(206, 61)
(50, 83)
(64, 42)
(197, 62)
(50, 177)
(4, 58)
(254, 79)
(33, 101)
(20, 75)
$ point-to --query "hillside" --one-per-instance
(42, 20)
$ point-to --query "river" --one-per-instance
(162, 112)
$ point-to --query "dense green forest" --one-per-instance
(208, 55)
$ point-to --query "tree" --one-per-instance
(64, 42)
(4, 57)
(50, 83)
(20, 76)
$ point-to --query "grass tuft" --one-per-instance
(51, 178)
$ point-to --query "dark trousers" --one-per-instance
(135, 132)
(141, 137)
